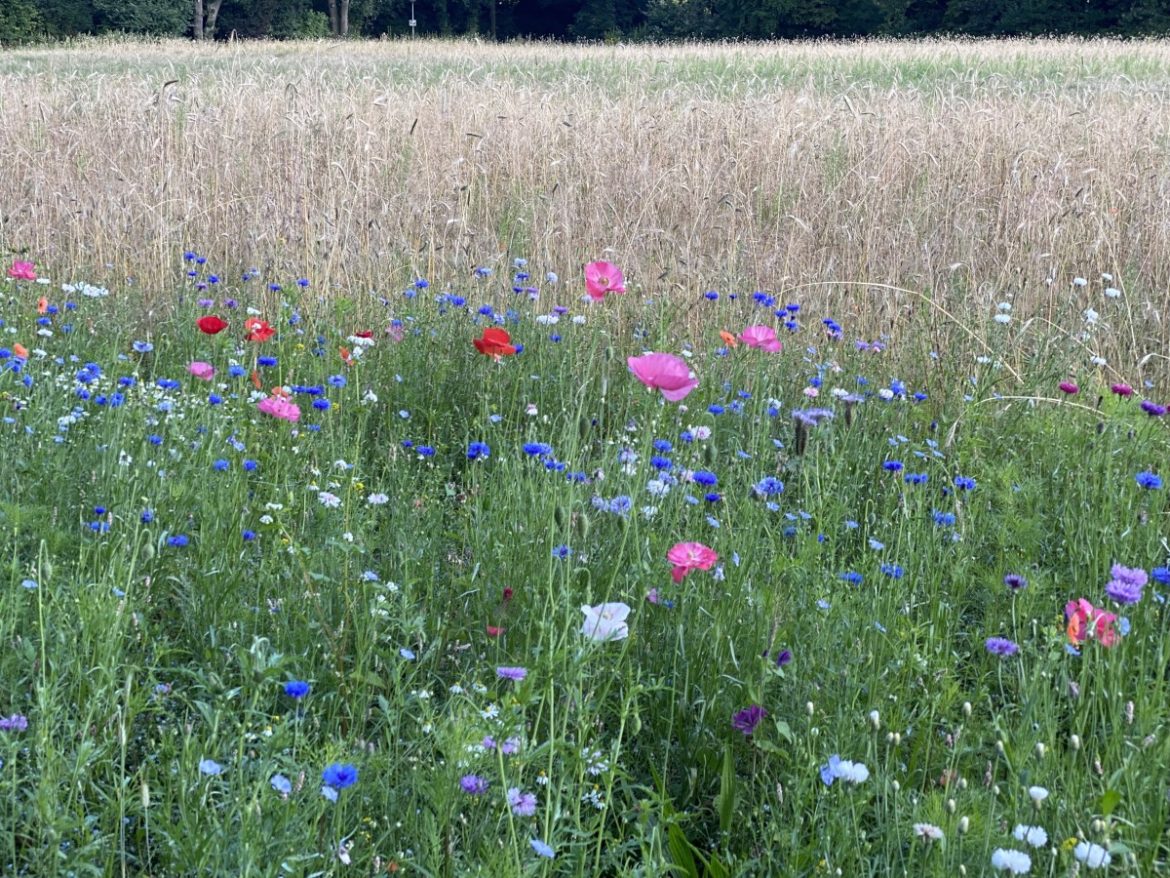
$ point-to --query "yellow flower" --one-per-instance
(1070, 843)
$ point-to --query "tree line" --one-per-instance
(613, 20)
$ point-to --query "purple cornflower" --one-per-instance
(783, 657)
(511, 746)
(1153, 409)
(747, 719)
(514, 674)
(1001, 646)
(1126, 585)
(473, 784)
(522, 804)
(1015, 582)
(14, 723)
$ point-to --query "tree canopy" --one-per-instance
(630, 20)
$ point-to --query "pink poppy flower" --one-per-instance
(762, 337)
(686, 557)
(22, 271)
(664, 372)
(281, 408)
(602, 278)
(1086, 621)
(201, 370)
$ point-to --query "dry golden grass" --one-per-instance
(969, 171)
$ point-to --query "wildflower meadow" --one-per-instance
(536, 566)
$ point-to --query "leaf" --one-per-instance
(727, 791)
(680, 851)
(784, 731)
(1109, 802)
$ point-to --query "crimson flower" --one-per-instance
(211, 324)
(495, 342)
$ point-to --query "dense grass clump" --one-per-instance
(393, 582)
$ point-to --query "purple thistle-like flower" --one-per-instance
(1126, 585)
(473, 784)
(1015, 582)
(522, 804)
(514, 674)
(747, 719)
(1001, 646)
(1153, 409)
(14, 723)
(783, 657)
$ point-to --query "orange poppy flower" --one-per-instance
(42, 305)
(20, 350)
(258, 330)
(256, 380)
(728, 339)
(346, 356)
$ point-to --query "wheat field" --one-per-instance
(964, 171)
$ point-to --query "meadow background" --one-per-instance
(965, 250)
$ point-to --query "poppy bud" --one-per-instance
(709, 453)
(609, 352)
(560, 515)
(583, 425)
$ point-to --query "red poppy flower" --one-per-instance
(495, 341)
(364, 333)
(258, 330)
(493, 631)
(211, 325)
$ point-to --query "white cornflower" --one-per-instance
(1092, 855)
(329, 501)
(1090, 316)
(1038, 794)
(852, 772)
(1080, 282)
(1010, 860)
(1003, 318)
(1112, 292)
(1036, 836)
(378, 499)
(928, 832)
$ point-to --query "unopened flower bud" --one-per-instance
(951, 806)
(964, 824)
(1040, 749)
(809, 708)
(1098, 826)
(875, 719)
(966, 708)
(1075, 742)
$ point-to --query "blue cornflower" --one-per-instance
(425, 451)
(154, 439)
(337, 380)
(266, 361)
(964, 483)
(768, 486)
(943, 519)
(542, 849)
(340, 775)
(322, 404)
(248, 535)
(561, 552)
(250, 465)
(661, 463)
(297, 689)
(142, 347)
(535, 449)
(220, 466)
(852, 578)
(663, 445)
(893, 466)
(147, 516)
(179, 540)
(916, 478)
(715, 409)
(893, 571)
(237, 371)
(620, 505)
(712, 497)
(1149, 480)
(477, 450)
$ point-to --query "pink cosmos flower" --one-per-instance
(602, 278)
(762, 337)
(686, 557)
(201, 370)
(22, 271)
(281, 408)
(664, 372)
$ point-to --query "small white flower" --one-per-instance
(1092, 855)
(1090, 316)
(1036, 836)
(253, 312)
(579, 319)
(1080, 282)
(490, 712)
(329, 501)
(378, 499)
(1003, 319)
(1112, 292)
(886, 394)
(928, 832)
(1004, 307)
(1097, 361)
(852, 772)
(266, 519)
(369, 397)
(1038, 794)
(1010, 860)
(1107, 277)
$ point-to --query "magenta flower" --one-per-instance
(201, 370)
(762, 337)
(1122, 390)
(22, 271)
(281, 408)
(1068, 387)
(664, 372)
(602, 278)
(685, 557)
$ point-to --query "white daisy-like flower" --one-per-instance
(1036, 836)
(1003, 318)
(928, 832)
(329, 501)
(1038, 794)
(1112, 292)
(1011, 860)
(378, 499)
(1080, 282)
(1092, 855)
